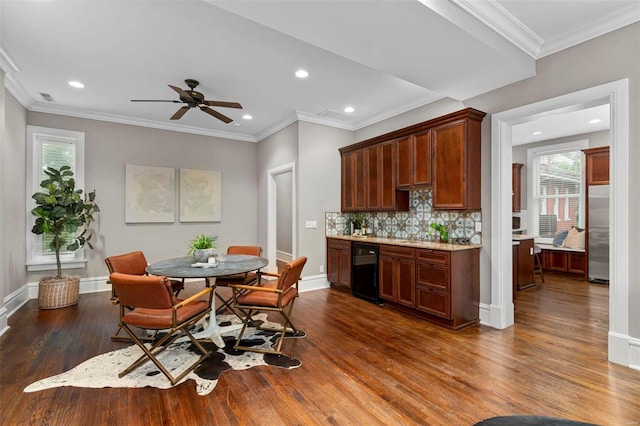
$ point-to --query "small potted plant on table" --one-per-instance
(201, 247)
(61, 212)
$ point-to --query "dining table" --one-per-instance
(186, 267)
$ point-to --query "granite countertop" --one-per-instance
(407, 243)
(520, 237)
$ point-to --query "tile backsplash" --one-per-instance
(412, 224)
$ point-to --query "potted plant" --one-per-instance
(61, 212)
(201, 247)
(442, 230)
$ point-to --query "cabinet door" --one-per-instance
(449, 172)
(344, 279)
(348, 182)
(434, 302)
(385, 269)
(405, 279)
(360, 176)
(576, 262)
(434, 276)
(516, 184)
(386, 177)
(404, 163)
(422, 159)
(374, 180)
(597, 166)
(333, 265)
(556, 260)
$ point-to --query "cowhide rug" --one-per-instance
(102, 370)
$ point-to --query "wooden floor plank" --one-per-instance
(362, 364)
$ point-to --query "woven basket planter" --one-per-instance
(54, 293)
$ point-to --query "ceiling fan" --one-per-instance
(194, 99)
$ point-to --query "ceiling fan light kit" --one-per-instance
(195, 99)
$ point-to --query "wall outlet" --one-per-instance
(478, 226)
(321, 269)
(311, 224)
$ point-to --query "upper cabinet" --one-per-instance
(443, 153)
(516, 187)
(597, 167)
(413, 166)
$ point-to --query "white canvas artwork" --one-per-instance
(150, 194)
(200, 196)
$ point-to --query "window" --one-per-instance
(50, 148)
(557, 191)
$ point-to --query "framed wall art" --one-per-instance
(200, 196)
(150, 194)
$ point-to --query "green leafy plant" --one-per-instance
(61, 211)
(202, 241)
(442, 230)
(358, 220)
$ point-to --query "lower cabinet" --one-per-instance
(397, 275)
(564, 261)
(438, 285)
(339, 263)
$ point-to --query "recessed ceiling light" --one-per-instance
(76, 84)
(302, 74)
(349, 109)
(594, 121)
(247, 117)
(537, 133)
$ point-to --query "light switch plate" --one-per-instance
(311, 224)
(478, 226)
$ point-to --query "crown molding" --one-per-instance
(606, 24)
(7, 64)
(276, 127)
(400, 110)
(16, 89)
(496, 17)
(113, 118)
(325, 121)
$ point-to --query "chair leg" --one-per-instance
(539, 266)
(226, 305)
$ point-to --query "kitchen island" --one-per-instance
(435, 281)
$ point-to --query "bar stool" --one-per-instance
(537, 267)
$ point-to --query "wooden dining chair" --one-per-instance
(152, 305)
(133, 263)
(272, 296)
(247, 278)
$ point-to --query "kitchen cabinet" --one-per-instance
(597, 166)
(339, 263)
(397, 274)
(368, 182)
(413, 166)
(564, 262)
(443, 153)
(524, 263)
(516, 187)
(382, 194)
(448, 286)
(455, 172)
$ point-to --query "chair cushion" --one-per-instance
(158, 319)
(265, 298)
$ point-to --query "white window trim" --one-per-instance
(35, 135)
(532, 153)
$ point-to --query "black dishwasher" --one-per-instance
(364, 271)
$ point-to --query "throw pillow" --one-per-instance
(559, 238)
(575, 239)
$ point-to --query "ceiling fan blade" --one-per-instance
(216, 114)
(179, 113)
(182, 93)
(155, 100)
(223, 104)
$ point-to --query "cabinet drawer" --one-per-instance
(397, 251)
(433, 276)
(433, 302)
(338, 244)
(433, 256)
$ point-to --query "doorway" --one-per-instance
(501, 313)
(281, 215)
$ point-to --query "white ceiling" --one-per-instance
(381, 57)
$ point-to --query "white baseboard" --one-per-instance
(485, 314)
(283, 256)
(634, 353)
(313, 282)
(4, 317)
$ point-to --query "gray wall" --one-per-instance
(519, 154)
(110, 146)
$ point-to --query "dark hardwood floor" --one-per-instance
(362, 365)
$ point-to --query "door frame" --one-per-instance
(502, 309)
(272, 215)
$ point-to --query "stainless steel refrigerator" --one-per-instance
(598, 233)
